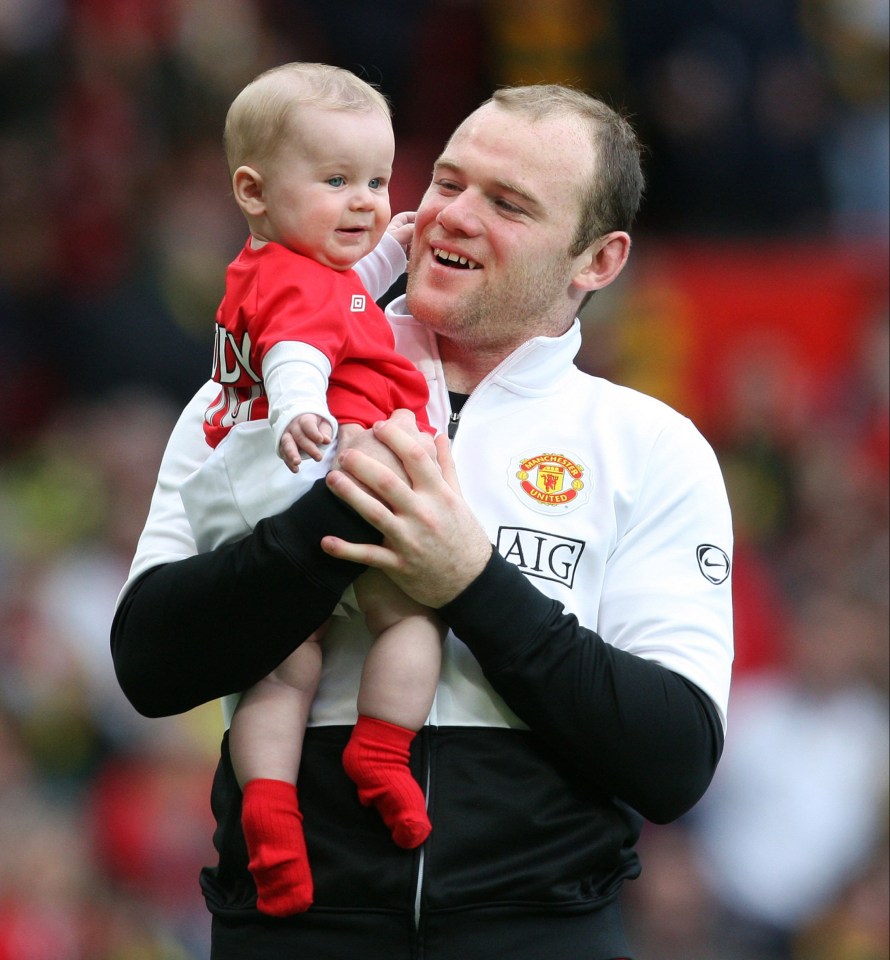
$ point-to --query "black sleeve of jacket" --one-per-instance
(639, 731)
(196, 629)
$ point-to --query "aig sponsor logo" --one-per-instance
(540, 554)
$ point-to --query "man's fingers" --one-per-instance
(372, 476)
(414, 455)
(362, 486)
(368, 554)
(433, 546)
(446, 462)
(404, 418)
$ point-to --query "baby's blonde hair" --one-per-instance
(258, 118)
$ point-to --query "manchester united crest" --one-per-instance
(550, 482)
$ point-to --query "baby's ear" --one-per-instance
(247, 185)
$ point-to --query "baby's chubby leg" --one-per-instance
(265, 741)
(397, 688)
(401, 671)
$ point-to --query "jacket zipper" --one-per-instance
(457, 402)
(453, 424)
(421, 859)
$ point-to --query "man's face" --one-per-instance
(490, 262)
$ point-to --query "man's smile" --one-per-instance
(454, 259)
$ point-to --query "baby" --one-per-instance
(304, 357)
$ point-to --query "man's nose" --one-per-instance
(461, 215)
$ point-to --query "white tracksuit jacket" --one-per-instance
(608, 502)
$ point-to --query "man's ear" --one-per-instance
(247, 185)
(602, 261)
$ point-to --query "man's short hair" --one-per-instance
(609, 201)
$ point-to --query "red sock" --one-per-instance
(376, 759)
(273, 829)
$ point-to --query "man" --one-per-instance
(583, 571)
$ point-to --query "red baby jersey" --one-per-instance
(274, 295)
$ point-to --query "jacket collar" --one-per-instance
(533, 369)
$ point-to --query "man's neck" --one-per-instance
(467, 364)
(465, 367)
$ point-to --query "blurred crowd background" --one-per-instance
(756, 302)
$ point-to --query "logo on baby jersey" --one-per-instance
(550, 483)
(358, 303)
(231, 358)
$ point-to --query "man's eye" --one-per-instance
(447, 186)
(507, 207)
(337, 181)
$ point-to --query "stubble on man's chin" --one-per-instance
(427, 313)
(459, 319)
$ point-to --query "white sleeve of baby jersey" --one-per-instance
(667, 594)
(380, 269)
(296, 377)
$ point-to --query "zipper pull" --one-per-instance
(457, 401)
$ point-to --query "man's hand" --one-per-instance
(433, 546)
(354, 437)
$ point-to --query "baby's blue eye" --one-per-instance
(337, 181)
(375, 184)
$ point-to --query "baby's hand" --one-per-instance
(402, 228)
(303, 435)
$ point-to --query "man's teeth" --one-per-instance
(455, 258)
